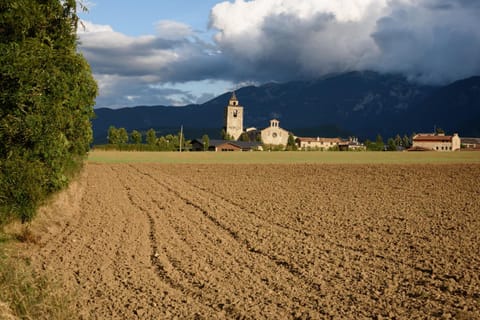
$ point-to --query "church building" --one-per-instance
(233, 123)
(275, 135)
(233, 126)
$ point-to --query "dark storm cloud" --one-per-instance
(430, 41)
(432, 45)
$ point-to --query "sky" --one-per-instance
(177, 52)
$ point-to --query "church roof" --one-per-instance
(234, 97)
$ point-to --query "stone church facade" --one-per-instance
(233, 125)
(275, 135)
(233, 118)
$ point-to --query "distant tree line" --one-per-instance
(121, 139)
(393, 144)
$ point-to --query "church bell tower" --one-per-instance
(234, 118)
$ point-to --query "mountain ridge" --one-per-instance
(355, 103)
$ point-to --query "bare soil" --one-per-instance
(154, 241)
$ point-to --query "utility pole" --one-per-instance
(181, 137)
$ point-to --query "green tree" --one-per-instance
(151, 137)
(375, 146)
(113, 136)
(136, 137)
(172, 142)
(162, 143)
(391, 145)
(122, 136)
(225, 135)
(406, 141)
(291, 145)
(379, 142)
(244, 137)
(206, 142)
(47, 94)
(398, 141)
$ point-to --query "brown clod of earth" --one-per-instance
(148, 241)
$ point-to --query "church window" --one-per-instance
(235, 113)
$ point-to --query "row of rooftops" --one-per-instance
(432, 137)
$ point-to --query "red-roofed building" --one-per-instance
(436, 142)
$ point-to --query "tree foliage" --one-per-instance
(206, 142)
(122, 136)
(136, 137)
(378, 145)
(244, 137)
(291, 145)
(47, 94)
(225, 136)
(151, 137)
(113, 137)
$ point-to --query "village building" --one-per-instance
(435, 142)
(233, 120)
(225, 145)
(233, 126)
(352, 144)
(317, 143)
(470, 143)
(274, 135)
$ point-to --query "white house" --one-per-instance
(436, 142)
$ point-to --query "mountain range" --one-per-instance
(362, 104)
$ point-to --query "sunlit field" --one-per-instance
(283, 157)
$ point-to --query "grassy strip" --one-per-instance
(24, 294)
(287, 157)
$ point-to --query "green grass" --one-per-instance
(297, 157)
(25, 294)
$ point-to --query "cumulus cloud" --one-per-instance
(173, 30)
(430, 41)
(146, 69)
(281, 39)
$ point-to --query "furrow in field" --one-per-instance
(378, 241)
(164, 266)
(270, 242)
(232, 252)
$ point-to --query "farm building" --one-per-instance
(435, 142)
(274, 135)
(470, 143)
(225, 145)
(317, 143)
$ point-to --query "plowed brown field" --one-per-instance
(269, 241)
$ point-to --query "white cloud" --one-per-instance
(172, 30)
(281, 39)
(432, 41)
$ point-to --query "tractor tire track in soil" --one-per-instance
(152, 241)
(225, 206)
